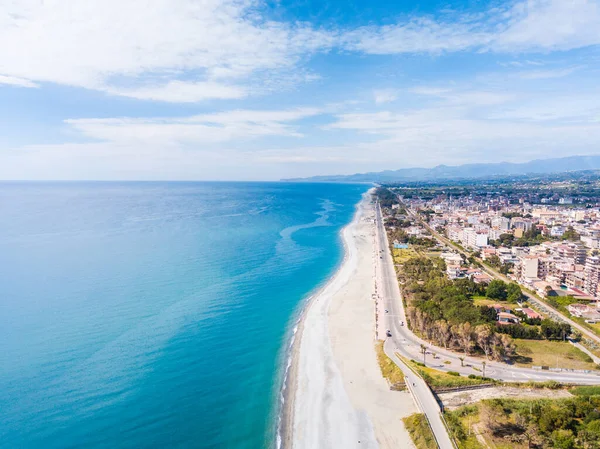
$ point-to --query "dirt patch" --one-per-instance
(460, 398)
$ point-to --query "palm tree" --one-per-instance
(462, 361)
(483, 364)
(424, 352)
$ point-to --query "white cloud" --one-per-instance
(523, 26)
(18, 82)
(385, 95)
(183, 92)
(199, 129)
(547, 74)
(142, 50)
(544, 25)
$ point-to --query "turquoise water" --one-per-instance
(152, 315)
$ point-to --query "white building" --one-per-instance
(501, 223)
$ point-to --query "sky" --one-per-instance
(263, 90)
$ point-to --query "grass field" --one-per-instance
(420, 432)
(484, 301)
(402, 255)
(551, 353)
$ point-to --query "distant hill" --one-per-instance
(467, 171)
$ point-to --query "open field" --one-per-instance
(402, 255)
(551, 353)
(484, 301)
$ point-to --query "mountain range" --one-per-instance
(467, 171)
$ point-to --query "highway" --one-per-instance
(408, 344)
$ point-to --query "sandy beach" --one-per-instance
(336, 396)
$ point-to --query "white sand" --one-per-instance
(341, 399)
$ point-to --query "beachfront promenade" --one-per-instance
(409, 345)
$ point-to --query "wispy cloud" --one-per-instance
(205, 128)
(523, 26)
(175, 50)
(18, 82)
(385, 95)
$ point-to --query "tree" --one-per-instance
(465, 335)
(494, 261)
(443, 332)
(513, 292)
(506, 267)
(563, 439)
(424, 352)
(484, 335)
(496, 289)
(462, 361)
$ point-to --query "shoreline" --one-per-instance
(334, 394)
(287, 396)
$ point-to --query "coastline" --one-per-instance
(285, 426)
(334, 394)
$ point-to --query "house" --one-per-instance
(531, 314)
(481, 278)
(507, 318)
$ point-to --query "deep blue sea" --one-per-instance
(155, 315)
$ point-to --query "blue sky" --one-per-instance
(251, 90)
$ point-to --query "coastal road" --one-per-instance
(408, 344)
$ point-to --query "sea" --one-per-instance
(156, 314)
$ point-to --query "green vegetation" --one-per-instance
(552, 354)
(386, 197)
(586, 391)
(440, 379)
(402, 255)
(401, 236)
(460, 427)
(389, 370)
(572, 423)
(419, 431)
(443, 310)
(502, 291)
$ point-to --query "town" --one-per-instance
(550, 246)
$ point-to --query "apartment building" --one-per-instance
(592, 275)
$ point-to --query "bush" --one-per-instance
(586, 391)
(453, 373)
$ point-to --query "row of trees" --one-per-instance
(548, 329)
(463, 336)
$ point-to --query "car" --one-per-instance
(388, 333)
(387, 311)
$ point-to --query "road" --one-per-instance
(544, 307)
(408, 344)
(426, 401)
